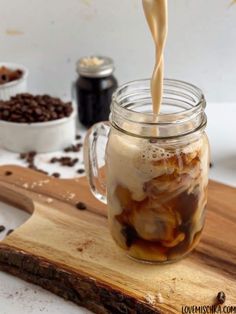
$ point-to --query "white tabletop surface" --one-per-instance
(17, 296)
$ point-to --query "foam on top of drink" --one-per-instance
(134, 161)
(152, 152)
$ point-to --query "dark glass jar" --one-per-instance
(94, 88)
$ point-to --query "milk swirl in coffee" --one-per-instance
(157, 196)
(157, 188)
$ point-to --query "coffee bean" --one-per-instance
(29, 157)
(81, 171)
(33, 104)
(2, 228)
(32, 154)
(67, 149)
(74, 161)
(10, 231)
(53, 160)
(221, 297)
(81, 206)
(54, 115)
(73, 148)
(38, 111)
(65, 161)
(78, 137)
(8, 173)
(56, 174)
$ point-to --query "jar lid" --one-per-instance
(95, 66)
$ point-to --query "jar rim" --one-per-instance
(177, 94)
(201, 102)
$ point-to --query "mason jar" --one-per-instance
(155, 176)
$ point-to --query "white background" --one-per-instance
(49, 36)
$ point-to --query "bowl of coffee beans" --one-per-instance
(39, 123)
(13, 80)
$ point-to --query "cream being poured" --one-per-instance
(156, 13)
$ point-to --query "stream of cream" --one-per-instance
(156, 13)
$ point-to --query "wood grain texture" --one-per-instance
(71, 253)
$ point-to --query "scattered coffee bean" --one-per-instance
(81, 171)
(221, 297)
(8, 173)
(69, 162)
(65, 161)
(56, 174)
(10, 231)
(74, 161)
(67, 149)
(78, 137)
(28, 157)
(73, 148)
(2, 228)
(32, 154)
(27, 108)
(81, 206)
(53, 160)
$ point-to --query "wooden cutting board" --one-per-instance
(70, 252)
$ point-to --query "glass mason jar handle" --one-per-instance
(95, 175)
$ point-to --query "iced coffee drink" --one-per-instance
(157, 194)
(156, 170)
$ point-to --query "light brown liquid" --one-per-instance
(157, 17)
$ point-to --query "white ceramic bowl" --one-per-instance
(12, 88)
(42, 137)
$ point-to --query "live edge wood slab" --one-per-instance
(70, 252)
